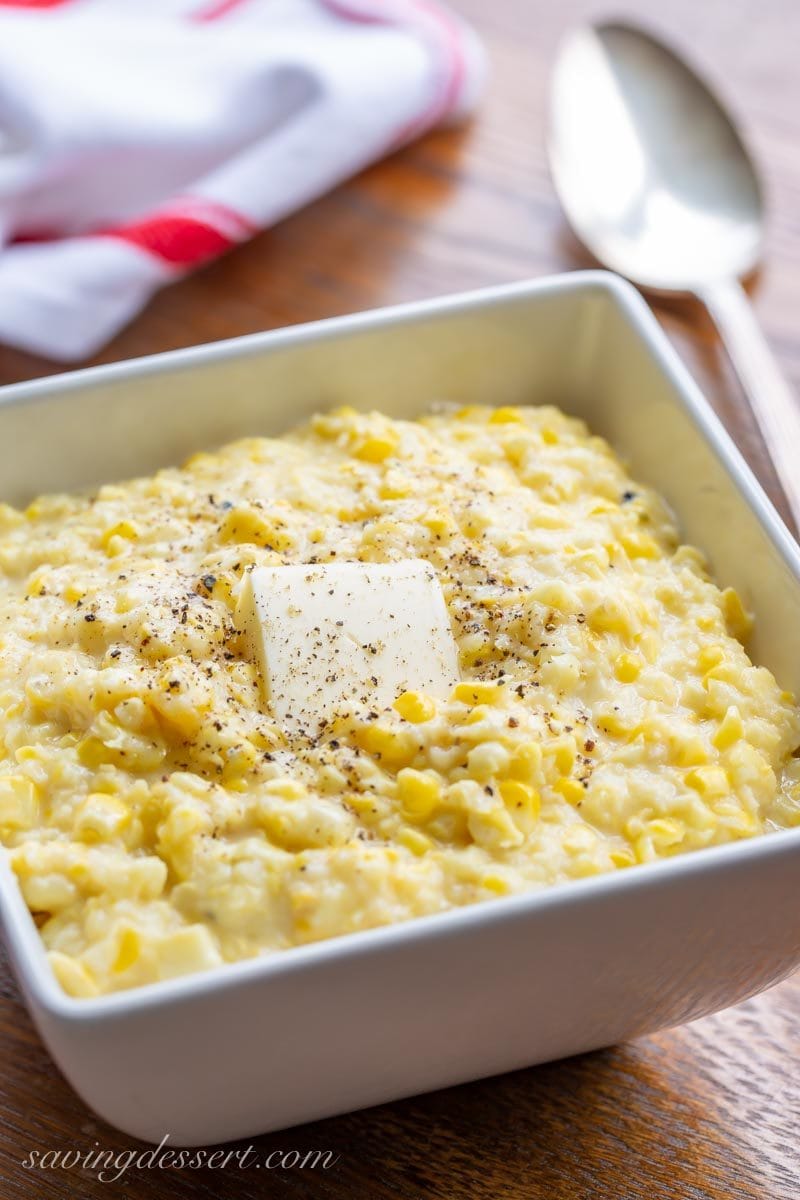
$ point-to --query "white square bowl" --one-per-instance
(374, 1016)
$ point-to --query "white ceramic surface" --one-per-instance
(374, 1016)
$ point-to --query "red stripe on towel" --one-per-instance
(186, 235)
(217, 8)
(32, 3)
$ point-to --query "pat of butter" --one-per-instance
(328, 638)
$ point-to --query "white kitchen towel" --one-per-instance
(141, 138)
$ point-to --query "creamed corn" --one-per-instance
(160, 822)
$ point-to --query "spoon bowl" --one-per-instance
(653, 175)
(657, 183)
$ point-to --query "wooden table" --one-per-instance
(711, 1110)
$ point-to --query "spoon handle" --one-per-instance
(776, 410)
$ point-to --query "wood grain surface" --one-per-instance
(708, 1111)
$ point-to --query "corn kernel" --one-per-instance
(375, 449)
(415, 707)
(178, 831)
(689, 751)
(123, 530)
(178, 700)
(494, 829)
(19, 803)
(475, 716)
(394, 487)
(73, 976)
(73, 592)
(644, 850)
(496, 884)
(616, 725)
(419, 794)
(120, 747)
(564, 754)
(394, 747)
(523, 802)
(744, 824)
(100, 818)
(572, 791)
(611, 616)
(440, 522)
(751, 768)
(414, 840)
(92, 752)
(519, 795)
(665, 832)
(487, 760)
(579, 839)
(28, 753)
(584, 867)
(475, 692)
(50, 893)
(639, 545)
(186, 950)
(737, 619)
(526, 762)
(246, 524)
(730, 729)
(555, 594)
(628, 667)
(709, 781)
(240, 761)
(366, 805)
(709, 657)
(129, 947)
(471, 650)
(505, 416)
(37, 583)
(286, 788)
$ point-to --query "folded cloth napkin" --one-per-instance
(139, 140)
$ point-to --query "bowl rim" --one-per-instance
(28, 952)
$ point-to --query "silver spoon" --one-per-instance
(657, 183)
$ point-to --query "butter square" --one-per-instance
(328, 638)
